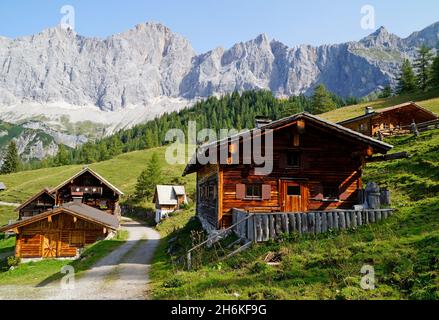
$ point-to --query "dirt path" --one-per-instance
(9, 204)
(123, 274)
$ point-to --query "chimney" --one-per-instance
(261, 121)
(368, 110)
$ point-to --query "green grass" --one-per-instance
(6, 214)
(43, 272)
(427, 100)
(121, 171)
(404, 250)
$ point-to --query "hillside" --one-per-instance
(428, 100)
(404, 250)
(122, 171)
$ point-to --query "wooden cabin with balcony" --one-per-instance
(58, 222)
(316, 166)
(390, 121)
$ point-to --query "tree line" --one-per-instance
(422, 75)
(236, 110)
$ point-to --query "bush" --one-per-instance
(173, 283)
(259, 267)
(13, 261)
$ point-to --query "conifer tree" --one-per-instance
(407, 79)
(322, 101)
(422, 65)
(11, 162)
(149, 179)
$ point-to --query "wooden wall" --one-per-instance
(207, 193)
(68, 235)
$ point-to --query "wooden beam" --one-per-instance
(369, 151)
(301, 126)
(296, 140)
(389, 157)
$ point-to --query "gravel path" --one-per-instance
(123, 274)
(9, 204)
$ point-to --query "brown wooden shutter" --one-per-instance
(240, 191)
(283, 161)
(266, 192)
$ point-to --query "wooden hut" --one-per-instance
(55, 223)
(168, 199)
(390, 121)
(317, 165)
(60, 232)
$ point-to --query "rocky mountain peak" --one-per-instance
(381, 38)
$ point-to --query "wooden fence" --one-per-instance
(263, 227)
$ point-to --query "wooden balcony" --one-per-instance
(81, 190)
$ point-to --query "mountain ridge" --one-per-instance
(139, 74)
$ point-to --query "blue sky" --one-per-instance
(211, 23)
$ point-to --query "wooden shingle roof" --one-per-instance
(79, 210)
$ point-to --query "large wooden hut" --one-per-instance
(390, 121)
(56, 223)
(317, 165)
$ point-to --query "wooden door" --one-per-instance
(295, 196)
(50, 245)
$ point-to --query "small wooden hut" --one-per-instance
(390, 121)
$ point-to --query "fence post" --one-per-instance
(255, 236)
(189, 260)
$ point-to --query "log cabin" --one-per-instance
(59, 222)
(316, 165)
(389, 121)
(168, 199)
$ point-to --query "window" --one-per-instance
(293, 191)
(77, 239)
(293, 159)
(253, 191)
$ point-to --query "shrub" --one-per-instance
(13, 261)
(173, 283)
(259, 267)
